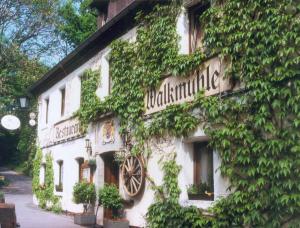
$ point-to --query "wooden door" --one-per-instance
(111, 176)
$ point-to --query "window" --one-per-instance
(86, 172)
(59, 187)
(63, 101)
(203, 171)
(47, 110)
(196, 27)
(80, 162)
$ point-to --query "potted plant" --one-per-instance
(85, 193)
(200, 192)
(110, 199)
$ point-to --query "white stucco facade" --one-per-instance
(70, 150)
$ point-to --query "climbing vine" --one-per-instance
(90, 105)
(166, 211)
(36, 171)
(44, 193)
(256, 131)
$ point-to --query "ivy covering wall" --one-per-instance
(256, 131)
(45, 192)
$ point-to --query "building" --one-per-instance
(59, 93)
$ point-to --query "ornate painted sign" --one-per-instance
(108, 132)
(176, 90)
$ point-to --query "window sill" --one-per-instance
(201, 204)
(58, 188)
(201, 197)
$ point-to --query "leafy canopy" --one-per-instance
(78, 21)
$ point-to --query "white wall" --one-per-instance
(69, 151)
(183, 147)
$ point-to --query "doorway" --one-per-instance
(111, 176)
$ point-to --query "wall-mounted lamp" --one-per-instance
(88, 146)
(23, 102)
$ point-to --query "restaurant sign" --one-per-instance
(66, 130)
(63, 131)
(176, 90)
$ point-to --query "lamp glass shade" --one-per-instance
(23, 102)
(32, 123)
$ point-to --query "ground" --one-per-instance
(28, 215)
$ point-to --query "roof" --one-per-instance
(110, 31)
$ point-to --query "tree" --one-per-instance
(17, 73)
(29, 25)
(78, 21)
(26, 34)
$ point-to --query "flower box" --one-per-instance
(200, 196)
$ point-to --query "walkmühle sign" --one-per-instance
(176, 90)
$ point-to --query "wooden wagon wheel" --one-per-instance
(133, 175)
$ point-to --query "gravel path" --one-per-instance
(28, 215)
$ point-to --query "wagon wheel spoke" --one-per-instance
(126, 167)
(136, 168)
(134, 184)
(131, 162)
(131, 186)
(136, 180)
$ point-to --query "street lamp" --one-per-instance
(23, 102)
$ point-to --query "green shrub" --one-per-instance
(84, 193)
(110, 198)
(172, 214)
(56, 207)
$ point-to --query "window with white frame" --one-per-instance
(203, 185)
